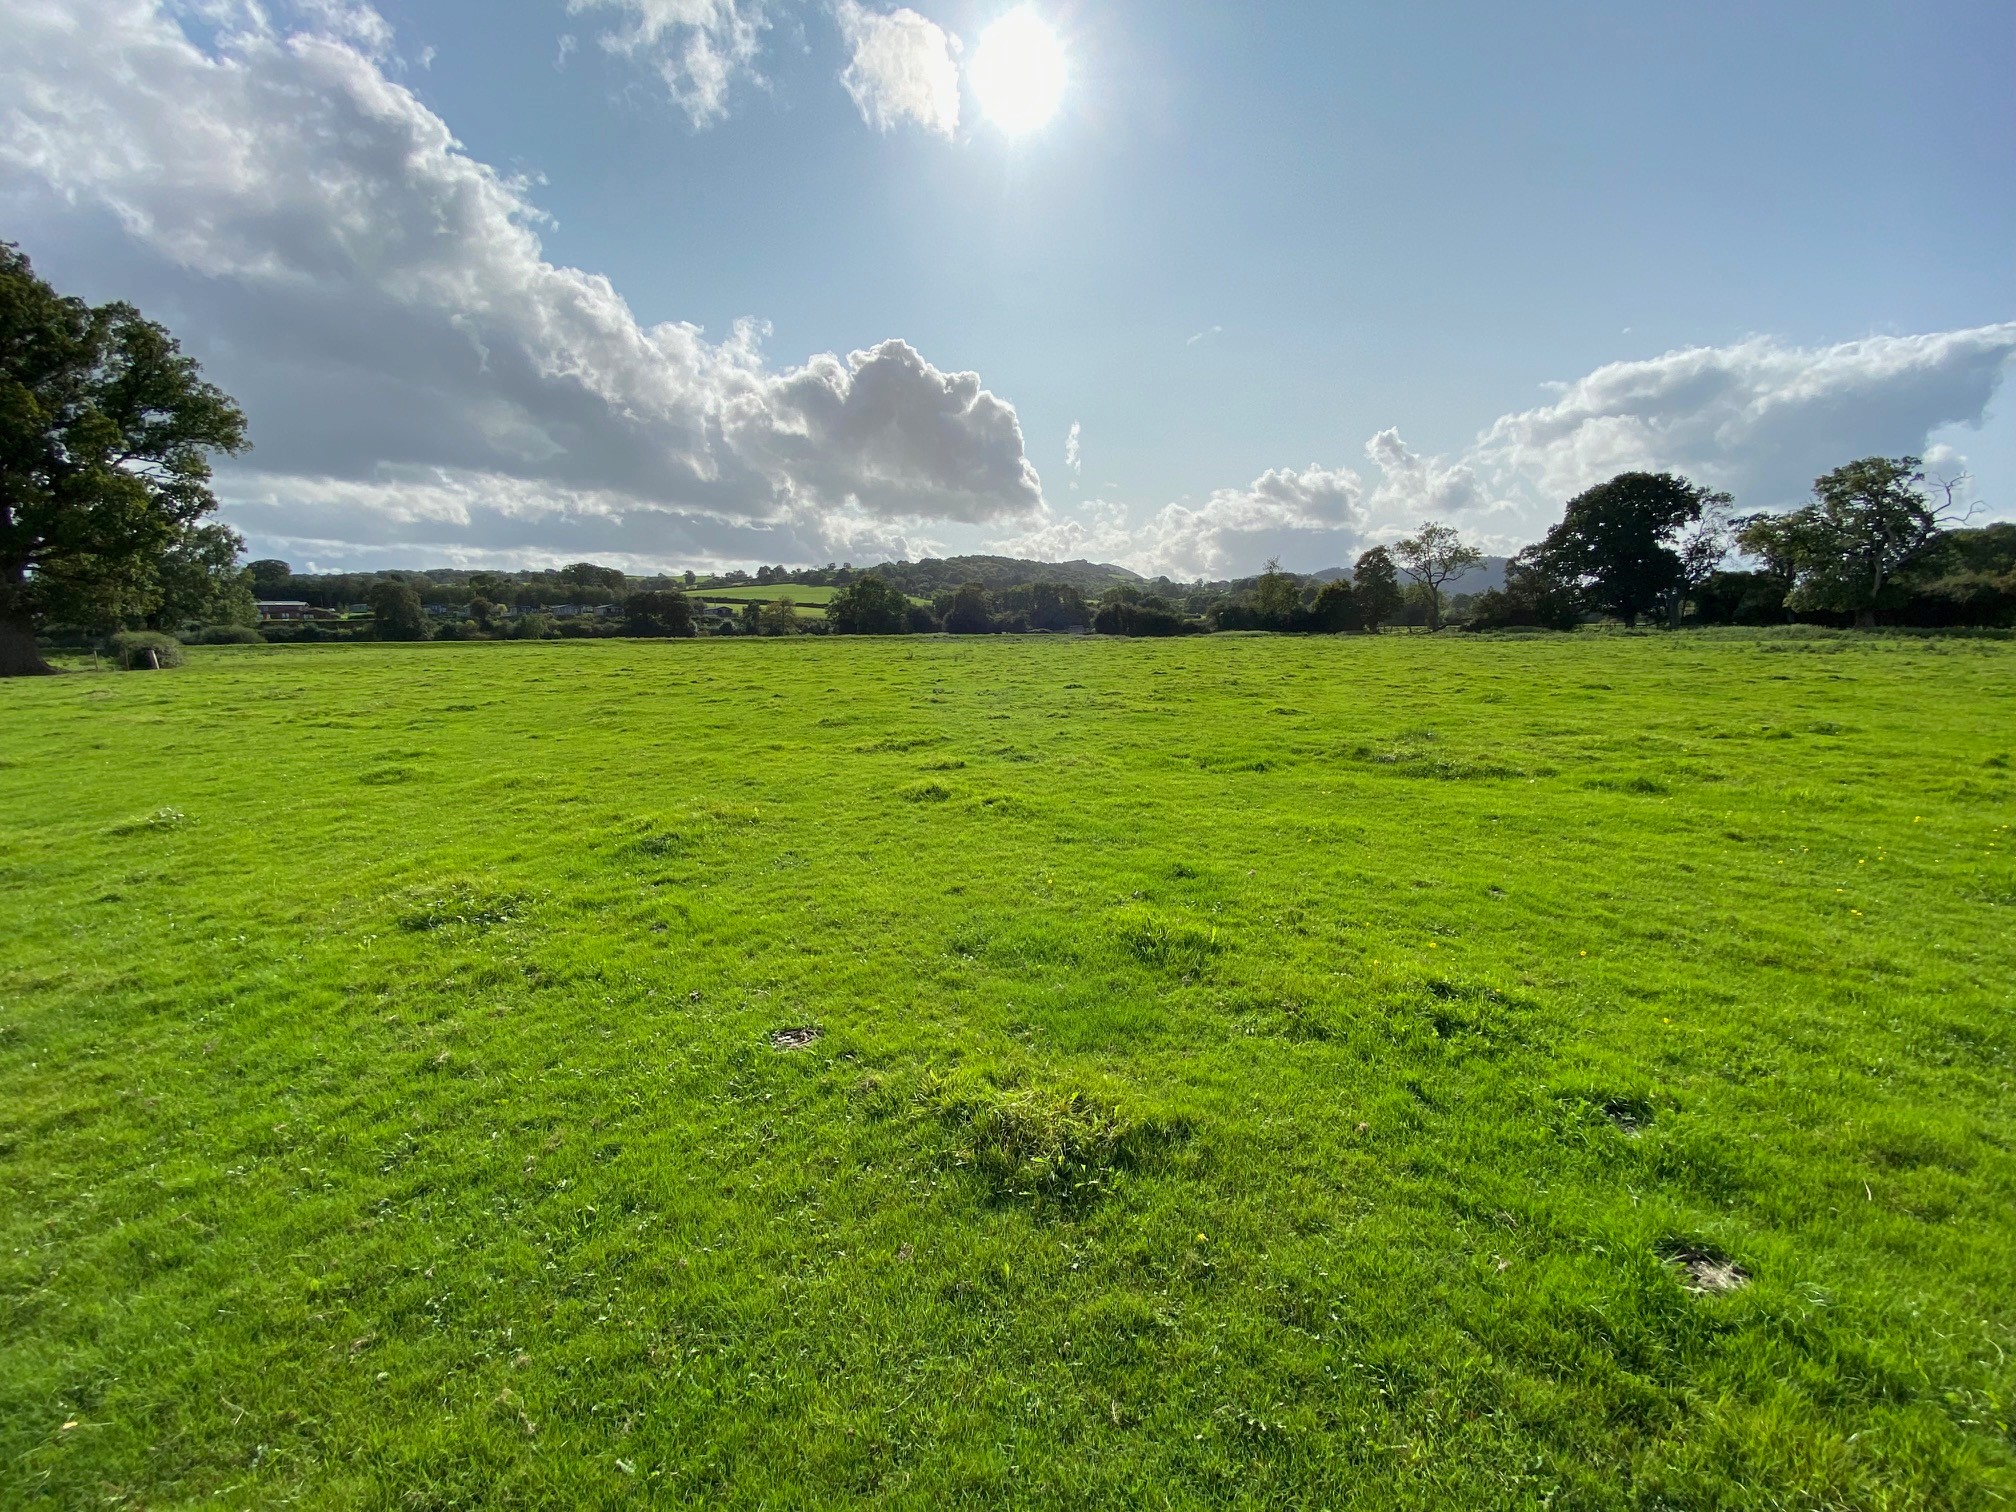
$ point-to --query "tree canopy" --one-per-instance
(868, 606)
(1620, 544)
(1378, 587)
(396, 610)
(1868, 521)
(106, 431)
(1432, 556)
(967, 613)
(658, 612)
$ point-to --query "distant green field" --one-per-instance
(799, 595)
(811, 602)
(1047, 1072)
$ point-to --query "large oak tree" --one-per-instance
(1869, 521)
(106, 431)
(1626, 547)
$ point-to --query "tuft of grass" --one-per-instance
(160, 819)
(1052, 1147)
(444, 905)
(1169, 944)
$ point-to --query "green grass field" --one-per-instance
(811, 602)
(1038, 1072)
(801, 595)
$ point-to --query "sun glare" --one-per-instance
(1018, 72)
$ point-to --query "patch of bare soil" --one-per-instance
(1709, 1273)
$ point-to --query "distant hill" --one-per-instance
(938, 574)
(1486, 575)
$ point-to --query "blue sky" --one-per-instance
(1302, 275)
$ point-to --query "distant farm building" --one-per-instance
(290, 609)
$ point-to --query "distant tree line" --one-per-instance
(1879, 541)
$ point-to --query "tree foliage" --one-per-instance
(968, 612)
(658, 612)
(1621, 544)
(868, 606)
(1432, 556)
(198, 581)
(1336, 609)
(1378, 587)
(1869, 520)
(1275, 596)
(106, 431)
(1532, 598)
(589, 575)
(779, 617)
(271, 578)
(396, 612)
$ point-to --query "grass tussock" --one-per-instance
(456, 904)
(1166, 943)
(1052, 1147)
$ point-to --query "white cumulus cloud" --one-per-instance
(1761, 418)
(1313, 516)
(381, 302)
(700, 48)
(900, 67)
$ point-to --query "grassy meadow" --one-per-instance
(804, 595)
(1238, 1071)
(811, 601)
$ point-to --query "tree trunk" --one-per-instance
(18, 656)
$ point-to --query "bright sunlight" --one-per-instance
(1018, 72)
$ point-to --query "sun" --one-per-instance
(1018, 72)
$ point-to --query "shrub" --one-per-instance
(142, 650)
(1741, 598)
(1140, 620)
(229, 635)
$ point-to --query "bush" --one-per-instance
(1741, 598)
(229, 635)
(1140, 620)
(1972, 598)
(1532, 599)
(142, 650)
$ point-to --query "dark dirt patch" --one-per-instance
(1706, 1271)
(1629, 1113)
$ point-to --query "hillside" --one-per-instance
(940, 574)
(1486, 575)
